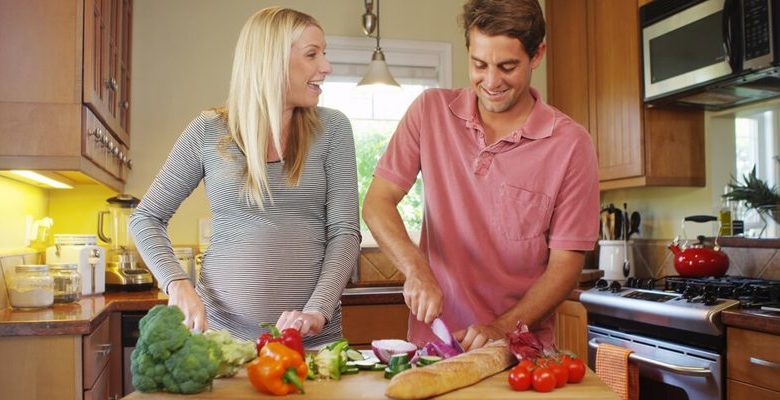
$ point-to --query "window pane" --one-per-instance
(374, 117)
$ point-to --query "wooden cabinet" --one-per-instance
(364, 323)
(64, 88)
(571, 328)
(594, 76)
(753, 368)
(62, 367)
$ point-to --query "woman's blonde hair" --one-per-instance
(255, 103)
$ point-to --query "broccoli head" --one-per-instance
(168, 357)
(193, 367)
(162, 331)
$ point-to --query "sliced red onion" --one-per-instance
(386, 348)
(440, 329)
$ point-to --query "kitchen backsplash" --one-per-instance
(653, 259)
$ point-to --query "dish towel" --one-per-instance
(613, 367)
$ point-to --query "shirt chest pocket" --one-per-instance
(521, 214)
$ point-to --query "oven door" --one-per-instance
(666, 370)
(688, 49)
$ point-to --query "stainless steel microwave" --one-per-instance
(713, 54)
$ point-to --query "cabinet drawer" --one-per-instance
(754, 358)
(96, 351)
(99, 390)
(742, 391)
(364, 323)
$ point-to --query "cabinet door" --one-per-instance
(125, 45)
(571, 328)
(616, 106)
(364, 323)
(96, 55)
(567, 59)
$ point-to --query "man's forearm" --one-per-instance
(389, 231)
(554, 286)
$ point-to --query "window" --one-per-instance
(757, 145)
(375, 114)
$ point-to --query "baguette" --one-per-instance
(453, 373)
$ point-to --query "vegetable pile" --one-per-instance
(235, 353)
(168, 357)
(540, 368)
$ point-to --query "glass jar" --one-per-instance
(67, 282)
(186, 261)
(31, 287)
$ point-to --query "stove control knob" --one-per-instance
(689, 293)
(632, 282)
(710, 298)
(602, 284)
(614, 287)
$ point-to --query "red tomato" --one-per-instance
(527, 364)
(561, 374)
(576, 370)
(543, 380)
(519, 378)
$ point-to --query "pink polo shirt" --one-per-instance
(492, 212)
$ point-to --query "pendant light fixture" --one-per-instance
(378, 72)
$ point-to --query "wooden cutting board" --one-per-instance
(371, 385)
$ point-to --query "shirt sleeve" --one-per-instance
(575, 219)
(179, 176)
(401, 163)
(342, 221)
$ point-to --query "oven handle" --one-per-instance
(678, 369)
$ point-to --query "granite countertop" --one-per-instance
(753, 319)
(82, 317)
(79, 318)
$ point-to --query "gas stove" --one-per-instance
(673, 327)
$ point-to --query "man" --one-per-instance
(511, 190)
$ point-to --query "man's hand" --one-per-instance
(182, 294)
(476, 336)
(423, 296)
(308, 323)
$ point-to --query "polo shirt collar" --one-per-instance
(538, 125)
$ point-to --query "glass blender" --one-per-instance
(124, 268)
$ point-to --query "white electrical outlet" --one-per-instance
(204, 233)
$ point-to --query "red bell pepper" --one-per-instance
(289, 337)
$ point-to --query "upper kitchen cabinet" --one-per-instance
(594, 76)
(64, 88)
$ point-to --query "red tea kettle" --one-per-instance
(698, 259)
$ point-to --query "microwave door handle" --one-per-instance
(730, 30)
(677, 369)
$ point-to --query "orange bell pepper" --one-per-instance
(279, 370)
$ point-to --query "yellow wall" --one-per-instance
(182, 55)
(18, 200)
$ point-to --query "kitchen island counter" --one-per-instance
(371, 385)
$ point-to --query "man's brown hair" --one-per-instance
(519, 19)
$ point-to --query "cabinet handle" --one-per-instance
(104, 349)
(764, 363)
(129, 164)
(116, 151)
(125, 104)
(112, 84)
(111, 146)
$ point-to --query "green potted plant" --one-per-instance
(756, 194)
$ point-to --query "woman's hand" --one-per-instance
(308, 323)
(182, 294)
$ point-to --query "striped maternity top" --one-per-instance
(297, 254)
